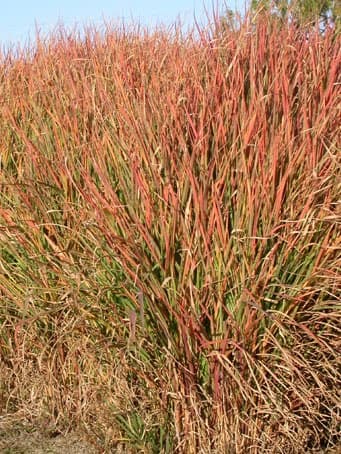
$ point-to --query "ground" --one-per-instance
(19, 441)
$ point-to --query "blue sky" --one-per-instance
(18, 17)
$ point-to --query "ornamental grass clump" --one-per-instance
(169, 237)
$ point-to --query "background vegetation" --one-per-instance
(169, 245)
